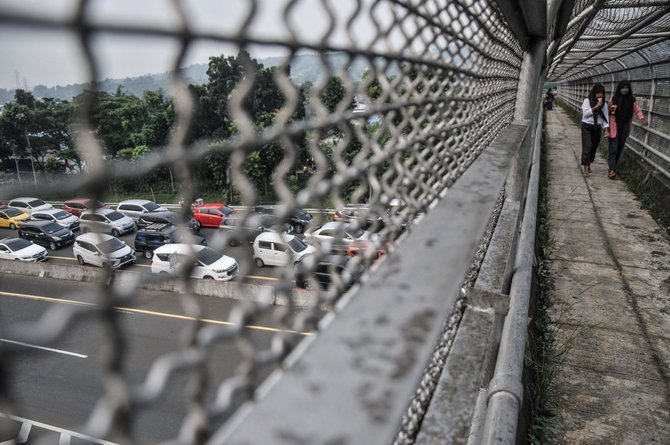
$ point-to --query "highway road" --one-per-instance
(243, 254)
(59, 384)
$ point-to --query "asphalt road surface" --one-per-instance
(58, 384)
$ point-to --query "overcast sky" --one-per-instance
(31, 56)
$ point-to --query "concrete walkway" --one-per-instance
(609, 269)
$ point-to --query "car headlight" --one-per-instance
(219, 270)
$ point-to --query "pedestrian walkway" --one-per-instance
(609, 269)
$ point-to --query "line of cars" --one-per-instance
(160, 235)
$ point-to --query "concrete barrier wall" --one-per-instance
(233, 290)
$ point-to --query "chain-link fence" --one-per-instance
(611, 41)
(405, 97)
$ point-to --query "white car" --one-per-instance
(63, 218)
(337, 236)
(22, 250)
(207, 262)
(29, 205)
(102, 250)
(106, 221)
(279, 249)
(134, 208)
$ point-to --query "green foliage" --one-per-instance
(30, 127)
(132, 154)
(333, 93)
(129, 126)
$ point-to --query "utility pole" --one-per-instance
(32, 157)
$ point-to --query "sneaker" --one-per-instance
(611, 174)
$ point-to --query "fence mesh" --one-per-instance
(405, 96)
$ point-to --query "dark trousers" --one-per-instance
(590, 139)
(616, 145)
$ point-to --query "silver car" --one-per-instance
(62, 217)
(106, 221)
(102, 250)
(134, 208)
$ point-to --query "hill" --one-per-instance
(304, 68)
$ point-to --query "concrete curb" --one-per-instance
(265, 294)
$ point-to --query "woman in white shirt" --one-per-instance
(594, 120)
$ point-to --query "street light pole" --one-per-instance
(16, 163)
(32, 157)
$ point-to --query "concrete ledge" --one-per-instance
(453, 411)
(236, 291)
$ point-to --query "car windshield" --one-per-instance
(151, 206)
(297, 245)
(36, 203)
(114, 216)
(226, 210)
(52, 227)
(61, 215)
(17, 244)
(111, 245)
(11, 212)
(208, 256)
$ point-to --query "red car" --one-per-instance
(211, 215)
(77, 206)
(362, 247)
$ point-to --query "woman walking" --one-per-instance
(594, 119)
(622, 107)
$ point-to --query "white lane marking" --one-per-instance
(59, 351)
(45, 426)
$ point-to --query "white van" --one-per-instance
(279, 249)
(209, 264)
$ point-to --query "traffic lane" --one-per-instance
(61, 388)
(42, 293)
(243, 254)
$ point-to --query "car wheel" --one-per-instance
(148, 254)
(52, 245)
(80, 260)
(299, 228)
(259, 262)
(207, 277)
(12, 226)
(115, 233)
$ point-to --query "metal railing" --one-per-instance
(624, 40)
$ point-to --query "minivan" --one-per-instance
(61, 217)
(299, 219)
(29, 205)
(153, 236)
(102, 250)
(106, 221)
(134, 208)
(312, 271)
(279, 249)
(46, 233)
(209, 264)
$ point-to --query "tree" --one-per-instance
(333, 94)
(31, 127)
(225, 73)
